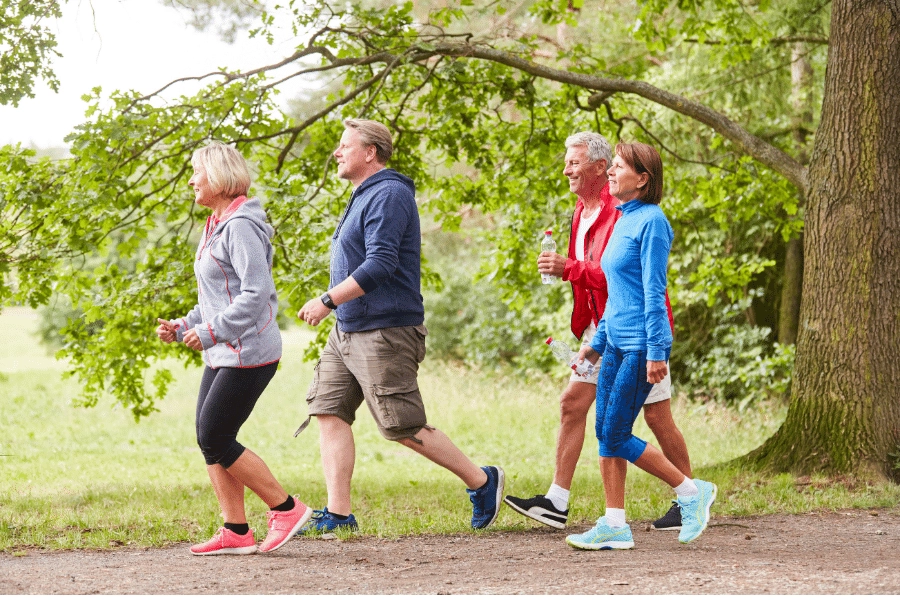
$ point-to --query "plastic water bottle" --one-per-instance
(561, 350)
(548, 245)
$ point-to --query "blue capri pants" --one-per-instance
(622, 389)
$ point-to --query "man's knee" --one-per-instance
(408, 436)
(575, 403)
(658, 417)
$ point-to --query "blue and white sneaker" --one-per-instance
(323, 521)
(486, 499)
(603, 537)
(695, 511)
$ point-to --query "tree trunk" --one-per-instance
(845, 413)
(792, 282)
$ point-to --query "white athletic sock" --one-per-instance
(615, 517)
(687, 488)
(558, 496)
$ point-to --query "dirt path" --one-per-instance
(848, 552)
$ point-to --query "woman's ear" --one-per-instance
(643, 179)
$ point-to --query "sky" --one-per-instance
(121, 44)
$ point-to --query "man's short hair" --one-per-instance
(226, 169)
(373, 133)
(597, 146)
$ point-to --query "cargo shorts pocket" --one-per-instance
(398, 406)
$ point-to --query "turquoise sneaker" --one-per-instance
(603, 537)
(695, 511)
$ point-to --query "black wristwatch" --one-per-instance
(327, 301)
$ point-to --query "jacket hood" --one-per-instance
(386, 175)
(250, 209)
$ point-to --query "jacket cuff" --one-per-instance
(205, 333)
(567, 270)
(180, 329)
(365, 281)
(658, 354)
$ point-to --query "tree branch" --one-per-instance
(767, 154)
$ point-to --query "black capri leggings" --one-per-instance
(227, 397)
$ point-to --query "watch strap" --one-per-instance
(327, 301)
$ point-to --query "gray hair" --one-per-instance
(226, 169)
(597, 146)
(373, 133)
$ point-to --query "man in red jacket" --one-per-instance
(588, 156)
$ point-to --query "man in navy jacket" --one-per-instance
(374, 350)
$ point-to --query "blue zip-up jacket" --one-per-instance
(378, 241)
(635, 263)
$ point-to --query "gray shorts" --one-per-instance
(379, 366)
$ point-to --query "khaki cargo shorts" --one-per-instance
(379, 366)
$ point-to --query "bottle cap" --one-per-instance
(548, 232)
(549, 340)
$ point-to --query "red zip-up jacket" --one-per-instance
(586, 276)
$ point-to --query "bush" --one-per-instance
(742, 368)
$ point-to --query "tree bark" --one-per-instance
(792, 280)
(845, 414)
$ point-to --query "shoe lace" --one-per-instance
(319, 515)
(475, 496)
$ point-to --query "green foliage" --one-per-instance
(739, 369)
(468, 322)
(27, 45)
(477, 136)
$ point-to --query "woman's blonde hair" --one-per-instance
(226, 169)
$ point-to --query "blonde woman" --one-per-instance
(234, 326)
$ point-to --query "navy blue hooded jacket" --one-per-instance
(379, 243)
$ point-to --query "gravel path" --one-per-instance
(848, 552)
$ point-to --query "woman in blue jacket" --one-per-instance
(634, 338)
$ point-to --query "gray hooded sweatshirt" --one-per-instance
(235, 315)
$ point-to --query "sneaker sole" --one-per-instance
(501, 482)
(712, 499)
(242, 551)
(670, 528)
(540, 518)
(303, 520)
(601, 545)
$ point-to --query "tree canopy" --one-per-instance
(480, 101)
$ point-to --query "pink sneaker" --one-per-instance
(283, 524)
(226, 541)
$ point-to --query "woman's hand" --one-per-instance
(165, 331)
(656, 370)
(589, 354)
(192, 340)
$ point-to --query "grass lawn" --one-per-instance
(76, 478)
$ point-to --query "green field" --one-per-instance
(74, 477)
